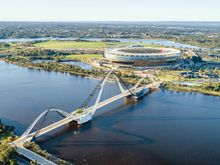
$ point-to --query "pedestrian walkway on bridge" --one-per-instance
(82, 115)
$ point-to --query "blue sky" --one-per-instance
(109, 10)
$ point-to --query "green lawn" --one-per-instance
(84, 56)
(83, 44)
(71, 44)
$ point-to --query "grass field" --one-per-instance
(71, 44)
(168, 75)
(175, 87)
(84, 56)
(83, 44)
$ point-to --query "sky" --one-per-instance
(109, 10)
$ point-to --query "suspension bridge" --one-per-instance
(81, 115)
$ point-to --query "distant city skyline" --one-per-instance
(110, 10)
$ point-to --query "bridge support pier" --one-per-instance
(73, 124)
(153, 89)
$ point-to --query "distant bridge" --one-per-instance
(82, 115)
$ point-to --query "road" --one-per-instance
(33, 156)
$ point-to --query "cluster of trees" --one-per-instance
(36, 52)
(19, 59)
(27, 50)
(63, 30)
(4, 45)
(128, 76)
(204, 40)
(212, 87)
(7, 152)
(40, 52)
(37, 149)
(167, 30)
(5, 128)
(54, 66)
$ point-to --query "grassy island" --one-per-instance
(207, 88)
(71, 44)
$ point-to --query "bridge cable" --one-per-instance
(40, 125)
(92, 94)
(124, 83)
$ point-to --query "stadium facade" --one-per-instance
(142, 56)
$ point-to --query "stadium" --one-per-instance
(142, 56)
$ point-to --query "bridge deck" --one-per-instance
(33, 156)
(75, 117)
(72, 117)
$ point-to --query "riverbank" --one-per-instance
(128, 76)
(128, 127)
(37, 149)
(168, 77)
(195, 89)
(7, 152)
(99, 74)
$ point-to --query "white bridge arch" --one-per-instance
(44, 114)
(85, 114)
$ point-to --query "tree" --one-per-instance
(33, 162)
(12, 162)
(6, 151)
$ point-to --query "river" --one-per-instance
(163, 128)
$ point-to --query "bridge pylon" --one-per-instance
(43, 116)
(85, 113)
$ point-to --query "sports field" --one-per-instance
(71, 44)
(79, 44)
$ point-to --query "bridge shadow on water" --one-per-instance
(112, 137)
(90, 134)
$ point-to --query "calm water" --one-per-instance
(164, 128)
